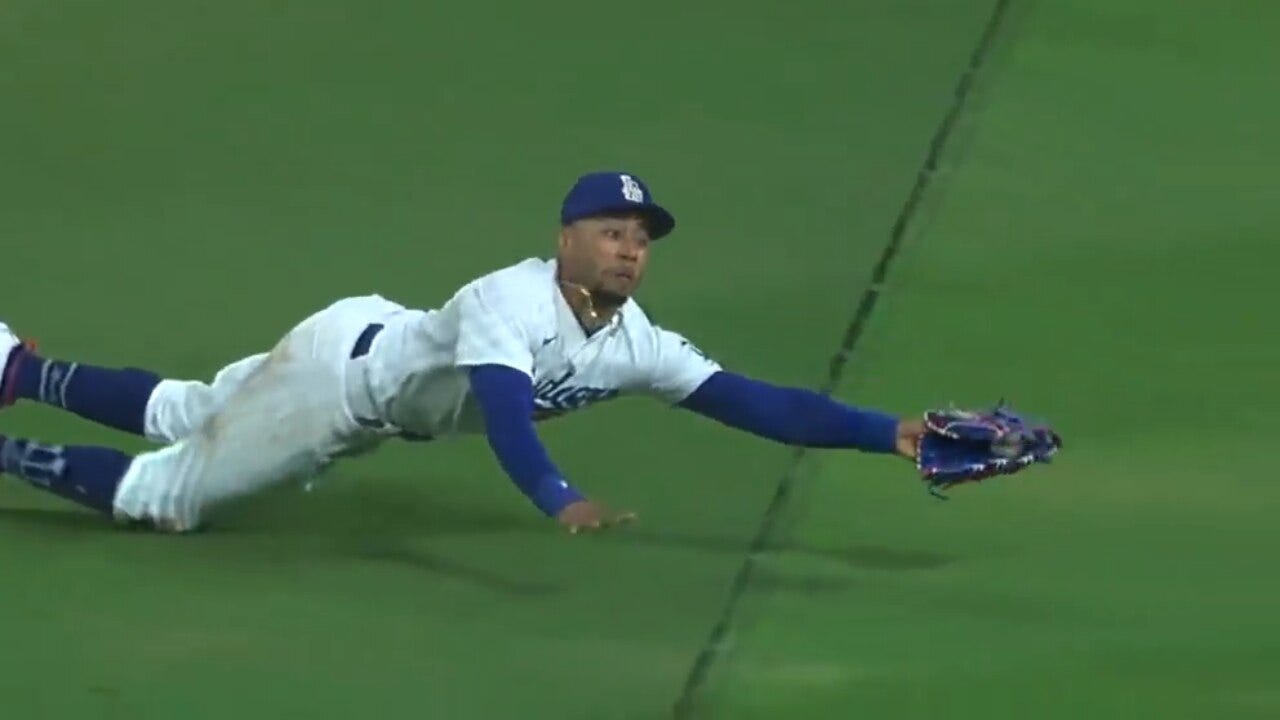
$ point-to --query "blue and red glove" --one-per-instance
(960, 446)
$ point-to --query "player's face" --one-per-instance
(607, 255)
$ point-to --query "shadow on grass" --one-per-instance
(417, 559)
(372, 545)
(395, 526)
(381, 527)
(866, 557)
(61, 520)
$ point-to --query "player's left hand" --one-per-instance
(586, 516)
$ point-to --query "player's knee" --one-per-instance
(178, 408)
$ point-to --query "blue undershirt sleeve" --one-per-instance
(505, 396)
(792, 416)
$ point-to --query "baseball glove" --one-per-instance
(960, 446)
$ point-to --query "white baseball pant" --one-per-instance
(262, 421)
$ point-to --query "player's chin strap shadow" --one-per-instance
(867, 557)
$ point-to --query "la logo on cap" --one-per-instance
(631, 189)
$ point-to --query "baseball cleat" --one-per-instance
(9, 361)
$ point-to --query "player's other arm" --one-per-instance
(505, 396)
(796, 416)
(496, 338)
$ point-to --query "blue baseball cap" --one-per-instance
(601, 193)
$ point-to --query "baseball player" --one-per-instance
(528, 342)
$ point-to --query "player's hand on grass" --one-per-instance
(586, 516)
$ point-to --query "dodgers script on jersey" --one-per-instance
(517, 317)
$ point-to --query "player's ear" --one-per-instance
(562, 243)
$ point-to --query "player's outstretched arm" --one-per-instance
(505, 396)
(796, 416)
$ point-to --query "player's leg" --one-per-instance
(128, 399)
(274, 417)
(84, 474)
(285, 418)
(177, 408)
(169, 489)
(113, 397)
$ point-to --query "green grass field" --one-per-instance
(181, 182)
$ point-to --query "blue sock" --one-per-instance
(115, 398)
(82, 474)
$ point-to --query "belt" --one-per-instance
(361, 348)
(365, 341)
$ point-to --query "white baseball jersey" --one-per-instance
(286, 413)
(417, 366)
